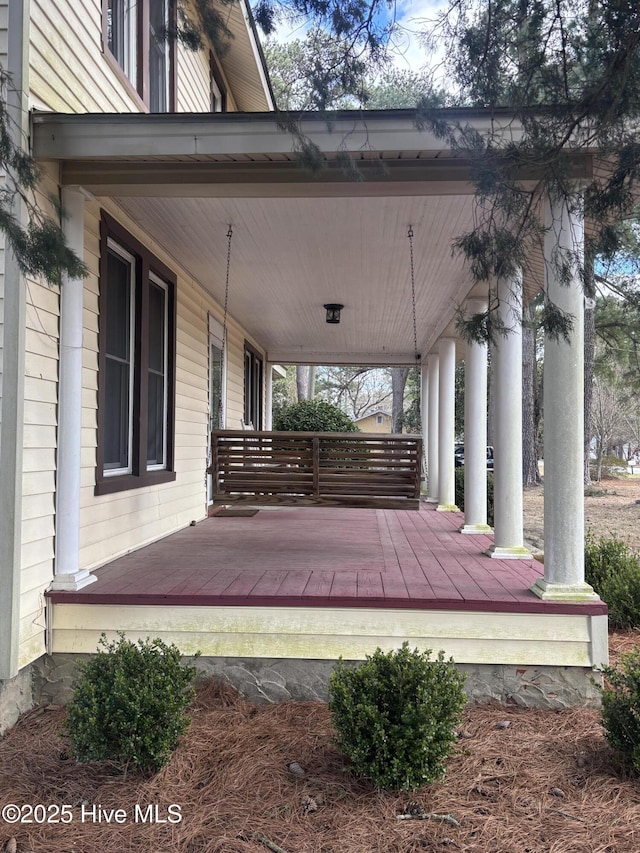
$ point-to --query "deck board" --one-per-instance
(324, 557)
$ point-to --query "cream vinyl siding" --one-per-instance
(85, 80)
(69, 72)
(326, 633)
(39, 461)
(111, 525)
(194, 88)
(4, 12)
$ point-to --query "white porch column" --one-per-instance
(424, 415)
(507, 440)
(475, 431)
(68, 574)
(433, 374)
(564, 417)
(446, 430)
(268, 402)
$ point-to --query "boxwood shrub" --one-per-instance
(621, 707)
(313, 416)
(129, 703)
(395, 715)
(459, 492)
(613, 570)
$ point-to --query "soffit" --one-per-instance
(290, 256)
(243, 61)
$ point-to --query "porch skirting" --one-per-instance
(279, 653)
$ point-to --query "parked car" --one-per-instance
(458, 455)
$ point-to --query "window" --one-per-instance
(379, 419)
(252, 386)
(136, 364)
(217, 86)
(135, 38)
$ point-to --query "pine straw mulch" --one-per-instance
(520, 781)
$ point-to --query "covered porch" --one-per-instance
(261, 243)
(309, 585)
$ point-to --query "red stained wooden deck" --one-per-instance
(324, 557)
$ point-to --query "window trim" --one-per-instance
(256, 360)
(146, 265)
(163, 285)
(217, 80)
(129, 258)
(139, 89)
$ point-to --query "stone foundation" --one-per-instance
(279, 680)
(16, 697)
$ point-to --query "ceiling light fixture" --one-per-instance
(333, 312)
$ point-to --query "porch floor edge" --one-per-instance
(597, 608)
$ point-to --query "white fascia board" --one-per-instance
(135, 136)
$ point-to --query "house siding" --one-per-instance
(87, 81)
(112, 525)
(4, 14)
(39, 454)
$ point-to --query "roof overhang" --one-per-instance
(301, 239)
(244, 62)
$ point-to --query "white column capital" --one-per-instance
(476, 305)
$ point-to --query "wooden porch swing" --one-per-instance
(266, 468)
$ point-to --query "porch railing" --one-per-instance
(316, 469)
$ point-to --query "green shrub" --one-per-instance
(314, 416)
(612, 466)
(459, 492)
(613, 570)
(621, 707)
(129, 704)
(395, 715)
(621, 591)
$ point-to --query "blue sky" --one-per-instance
(412, 17)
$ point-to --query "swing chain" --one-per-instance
(416, 354)
(224, 328)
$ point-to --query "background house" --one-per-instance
(376, 421)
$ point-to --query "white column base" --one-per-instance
(447, 508)
(71, 582)
(563, 592)
(476, 528)
(515, 552)
(431, 500)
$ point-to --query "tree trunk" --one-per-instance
(302, 381)
(589, 361)
(530, 473)
(599, 454)
(311, 382)
(398, 381)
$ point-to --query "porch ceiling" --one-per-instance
(290, 256)
(299, 241)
